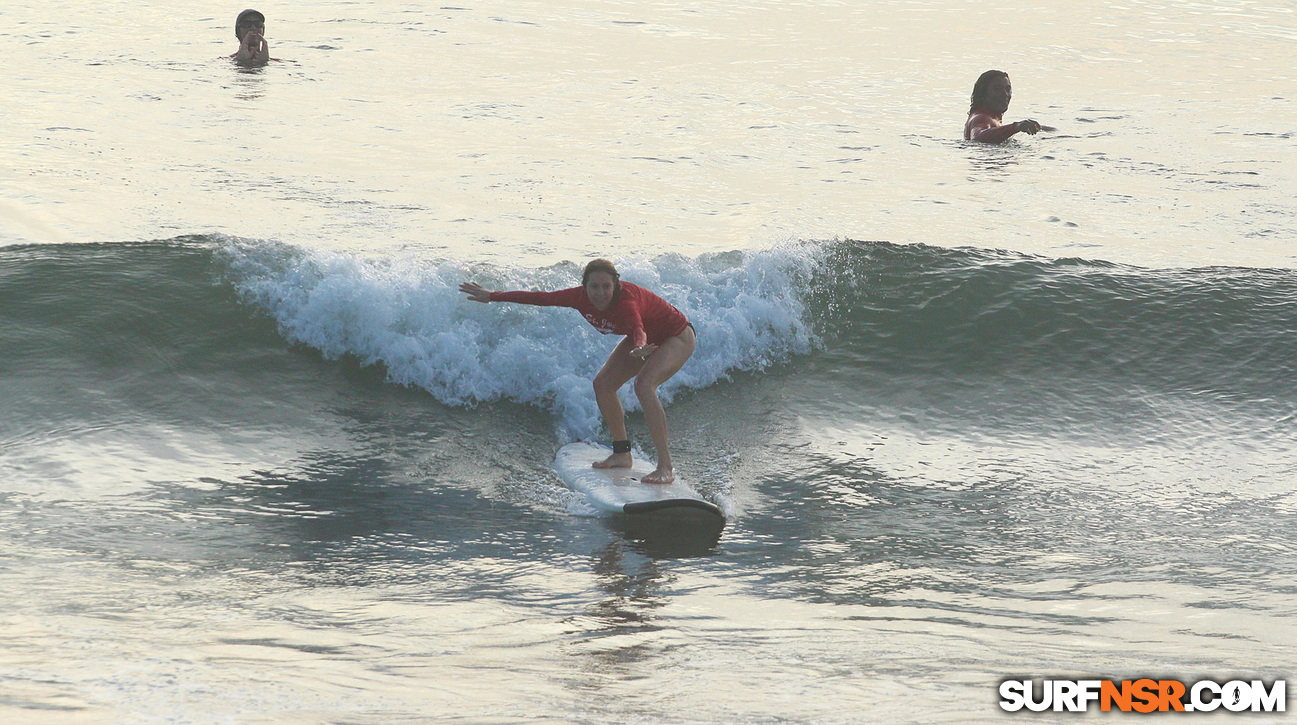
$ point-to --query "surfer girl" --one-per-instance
(658, 340)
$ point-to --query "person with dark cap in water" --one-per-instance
(250, 29)
(990, 99)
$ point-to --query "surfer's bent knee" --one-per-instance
(645, 388)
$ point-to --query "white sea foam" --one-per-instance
(409, 315)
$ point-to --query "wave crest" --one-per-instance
(409, 315)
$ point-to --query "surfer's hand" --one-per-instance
(643, 352)
(1029, 126)
(475, 291)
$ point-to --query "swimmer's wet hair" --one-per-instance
(981, 86)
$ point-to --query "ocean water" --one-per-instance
(975, 413)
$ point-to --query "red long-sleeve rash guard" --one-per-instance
(636, 312)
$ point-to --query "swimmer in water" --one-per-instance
(990, 99)
(658, 340)
(250, 29)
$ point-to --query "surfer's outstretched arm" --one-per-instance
(560, 298)
(475, 291)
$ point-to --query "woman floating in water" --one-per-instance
(659, 339)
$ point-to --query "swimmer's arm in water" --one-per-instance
(985, 129)
(1029, 126)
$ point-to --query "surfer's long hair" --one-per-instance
(979, 88)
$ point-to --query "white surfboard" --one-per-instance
(620, 490)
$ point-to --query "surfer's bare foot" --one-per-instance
(661, 475)
(616, 460)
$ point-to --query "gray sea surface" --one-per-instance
(975, 412)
